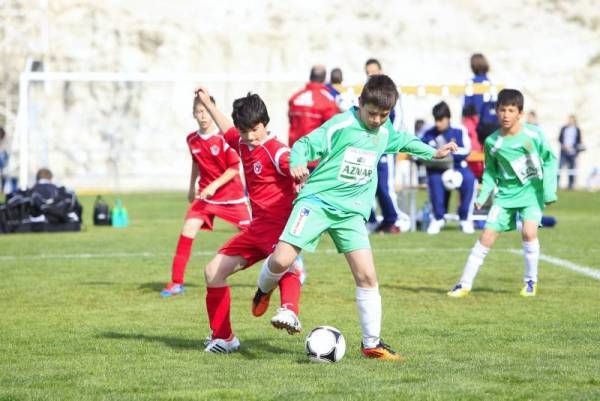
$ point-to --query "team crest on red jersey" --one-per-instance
(214, 150)
(257, 166)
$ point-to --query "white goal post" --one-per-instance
(119, 131)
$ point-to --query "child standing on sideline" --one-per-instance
(338, 195)
(271, 190)
(220, 191)
(520, 163)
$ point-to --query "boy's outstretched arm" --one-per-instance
(445, 150)
(549, 171)
(219, 118)
(488, 180)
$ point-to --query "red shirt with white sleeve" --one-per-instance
(213, 156)
(309, 108)
(267, 171)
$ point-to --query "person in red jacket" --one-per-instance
(311, 106)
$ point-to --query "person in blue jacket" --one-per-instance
(437, 136)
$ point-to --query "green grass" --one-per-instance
(81, 319)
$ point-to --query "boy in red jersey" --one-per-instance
(271, 190)
(220, 191)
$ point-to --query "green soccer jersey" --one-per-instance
(522, 166)
(346, 177)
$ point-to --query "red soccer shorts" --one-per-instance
(234, 213)
(256, 242)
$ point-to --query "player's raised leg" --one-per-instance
(218, 302)
(368, 301)
(181, 257)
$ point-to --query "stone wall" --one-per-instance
(132, 136)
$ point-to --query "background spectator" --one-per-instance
(570, 146)
(311, 106)
(441, 134)
(386, 193)
(485, 105)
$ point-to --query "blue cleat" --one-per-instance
(172, 289)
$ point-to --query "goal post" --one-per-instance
(126, 131)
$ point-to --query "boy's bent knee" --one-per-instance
(213, 275)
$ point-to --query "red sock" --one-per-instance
(289, 289)
(218, 303)
(180, 260)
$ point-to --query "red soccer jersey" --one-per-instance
(213, 156)
(309, 108)
(267, 173)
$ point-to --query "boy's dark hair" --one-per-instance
(510, 97)
(479, 64)
(373, 61)
(441, 111)
(469, 110)
(43, 174)
(318, 73)
(379, 91)
(197, 102)
(249, 111)
(336, 76)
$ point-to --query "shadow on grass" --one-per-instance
(173, 342)
(250, 348)
(434, 290)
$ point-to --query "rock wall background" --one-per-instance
(129, 136)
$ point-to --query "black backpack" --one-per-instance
(57, 204)
(101, 212)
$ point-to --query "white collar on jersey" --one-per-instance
(208, 134)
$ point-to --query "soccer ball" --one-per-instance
(452, 179)
(325, 344)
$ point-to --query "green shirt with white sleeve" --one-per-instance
(523, 168)
(346, 177)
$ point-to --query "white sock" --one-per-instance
(267, 280)
(474, 262)
(368, 301)
(531, 251)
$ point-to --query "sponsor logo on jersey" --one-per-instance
(194, 151)
(300, 221)
(257, 166)
(214, 150)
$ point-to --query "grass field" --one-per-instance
(81, 319)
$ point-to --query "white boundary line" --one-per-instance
(199, 253)
(565, 264)
(585, 270)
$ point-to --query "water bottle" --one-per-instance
(120, 218)
(425, 216)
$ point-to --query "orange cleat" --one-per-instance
(260, 302)
(382, 351)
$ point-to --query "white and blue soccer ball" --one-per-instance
(325, 344)
(452, 179)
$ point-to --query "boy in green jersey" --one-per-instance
(520, 163)
(337, 198)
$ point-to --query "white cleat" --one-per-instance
(435, 226)
(286, 319)
(221, 346)
(467, 227)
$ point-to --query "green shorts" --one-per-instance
(505, 219)
(309, 219)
